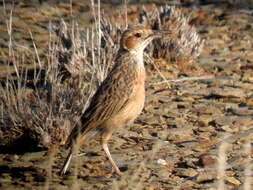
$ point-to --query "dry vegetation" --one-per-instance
(40, 104)
(77, 62)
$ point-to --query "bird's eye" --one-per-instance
(138, 35)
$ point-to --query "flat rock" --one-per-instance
(206, 176)
(186, 172)
(228, 92)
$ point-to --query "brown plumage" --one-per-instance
(120, 98)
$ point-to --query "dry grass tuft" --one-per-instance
(185, 43)
(40, 105)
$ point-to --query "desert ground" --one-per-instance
(195, 131)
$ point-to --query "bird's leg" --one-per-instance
(105, 137)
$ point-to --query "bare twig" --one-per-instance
(208, 77)
(222, 165)
(248, 167)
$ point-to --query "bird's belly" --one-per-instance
(136, 102)
(135, 106)
(131, 110)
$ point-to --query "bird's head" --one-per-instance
(136, 39)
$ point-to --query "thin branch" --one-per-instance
(247, 167)
(183, 79)
(158, 70)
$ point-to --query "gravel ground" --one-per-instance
(189, 131)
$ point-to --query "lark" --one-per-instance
(119, 99)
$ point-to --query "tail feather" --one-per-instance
(67, 162)
(72, 142)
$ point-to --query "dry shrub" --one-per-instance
(42, 111)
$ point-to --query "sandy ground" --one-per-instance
(177, 140)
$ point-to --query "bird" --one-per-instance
(119, 99)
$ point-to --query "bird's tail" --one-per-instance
(74, 146)
(67, 162)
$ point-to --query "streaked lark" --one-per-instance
(120, 98)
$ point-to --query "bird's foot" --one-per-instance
(117, 171)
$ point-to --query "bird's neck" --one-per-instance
(137, 56)
(131, 63)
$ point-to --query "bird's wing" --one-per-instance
(111, 97)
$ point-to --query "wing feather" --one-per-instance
(111, 96)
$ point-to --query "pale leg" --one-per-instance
(105, 137)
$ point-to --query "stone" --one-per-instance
(206, 176)
(185, 172)
(204, 120)
(233, 180)
(206, 160)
